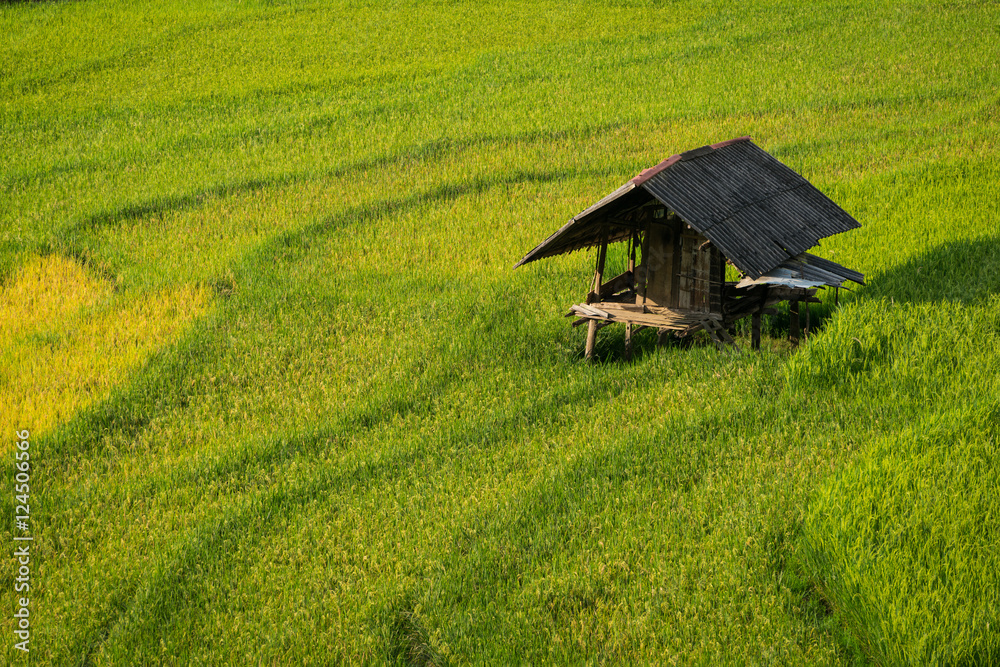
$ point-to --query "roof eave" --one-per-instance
(538, 252)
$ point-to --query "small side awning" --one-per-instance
(807, 271)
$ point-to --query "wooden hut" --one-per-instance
(683, 221)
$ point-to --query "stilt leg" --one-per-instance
(793, 322)
(628, 341)
(755, 332)
(591, 339)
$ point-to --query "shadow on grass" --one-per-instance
(409, 642)
(960, 271)
(290, 245)
(430, 150)
(168, 204)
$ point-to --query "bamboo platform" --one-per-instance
(646, 316)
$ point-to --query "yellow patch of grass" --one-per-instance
(66, 339)
(47, 290)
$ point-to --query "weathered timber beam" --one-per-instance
(616, 284)
(600, 323)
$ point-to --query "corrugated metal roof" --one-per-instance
(833, 267)
(755, 209)
(806, 270)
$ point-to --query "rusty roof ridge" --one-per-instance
(730, 142)
(647, 174)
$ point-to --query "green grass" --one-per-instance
(260, 254)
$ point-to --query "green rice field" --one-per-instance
(289, 403)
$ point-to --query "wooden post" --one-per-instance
(755, 328)
(805, 332)
(596, 294)
(598, 274)
(631, 256)
(591, 339)
(631, 269)
(793, 322)
(661, 337)
(631, 252)
(602, 255)
(641, 284)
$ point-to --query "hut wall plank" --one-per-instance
(661, 265)
(695, 273)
